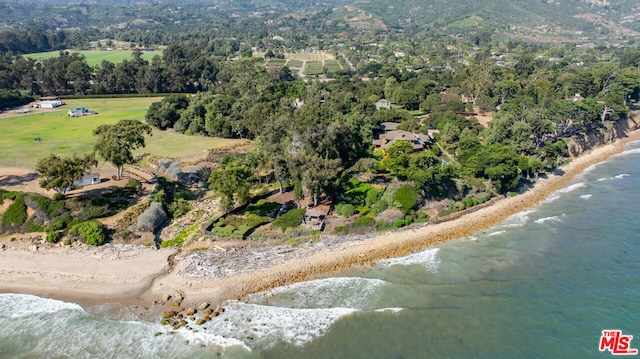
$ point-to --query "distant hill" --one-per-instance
(535, 19)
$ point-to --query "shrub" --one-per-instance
(32, 226)
(53, 237)
(51, 208)
(152, 218)
(262, 208)
(372, 196)
(399, 223)
(341, 230)
(345, 209)
(291, 219)
(59, 223)
(16, 213)
(133, 184)
(363, 222)
(405, 199)
(178, 240)
(380, 206)
(179, 208)
(10, 195)
(58, 196)
(92, 231)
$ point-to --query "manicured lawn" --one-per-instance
(313, 68)
(94, 57)
(65, 135)
(332, 65)
(295, 64)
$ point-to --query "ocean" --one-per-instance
(544, 283)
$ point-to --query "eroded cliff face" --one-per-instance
(578, 144)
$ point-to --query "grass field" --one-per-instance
(94, 57)
(332, 65)
(63, 135)
(295, 64)
(313, 68)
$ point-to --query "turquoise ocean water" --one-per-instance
(543, 284)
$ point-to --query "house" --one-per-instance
(388, 134)
(314, 218)
(577, 97)
(78, 111)
(382, 104)
(93, 178)
(50, 104)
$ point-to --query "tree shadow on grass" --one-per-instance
(15, 180)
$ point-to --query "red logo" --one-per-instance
(616, 343)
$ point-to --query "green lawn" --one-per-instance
(295, 64)
(94, 57)
(332, 65)
(313, 68)
(65, 135)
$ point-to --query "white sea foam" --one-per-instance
(473, 238)
(265, 325)
(630, 152)
(426, 258)
(586, 196)
(348, 292)
(392, 310)
(516, 220)
(620, 176)
(548, 219)
(23, 305)
(572, 187)
(204, 338)
(555, 195)
(496, 233)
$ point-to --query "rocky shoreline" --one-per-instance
(140, 276)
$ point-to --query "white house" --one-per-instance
(50, 104)
(93, 178)
(78, 111)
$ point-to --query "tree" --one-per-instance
(60, 174)
(232, 181)
(115, 143)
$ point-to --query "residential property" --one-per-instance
(49, 104)
(314, 218)
(382, 104)
(388, 134)
(93, 178)
(78, 111)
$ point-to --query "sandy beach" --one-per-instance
(142, 275)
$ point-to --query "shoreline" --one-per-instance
(138, 276)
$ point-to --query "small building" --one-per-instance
(382, 104)
(50, 104)
(78, 111)
(93, 178)
(314, 218)
(577, 97)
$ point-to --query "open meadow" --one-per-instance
(64, 135)
(95, 57)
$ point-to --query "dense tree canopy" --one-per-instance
(60, 173)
